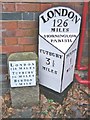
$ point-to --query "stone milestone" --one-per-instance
(23, 94)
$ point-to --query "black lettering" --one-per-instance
(20, 76)
(11, 65)
(50, 14)
(15, 80)
(64, 12)
(52, 29)
(20, 64)
(32, 63)
(20, 68)
(75, 19)
(71, 15)
(44, 20)
(24, 64)
(55, 72)
(57, 12)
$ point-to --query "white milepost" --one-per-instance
(59, 29)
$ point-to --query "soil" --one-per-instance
(75, 105)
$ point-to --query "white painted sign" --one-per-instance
(59, 29)
(22, 73)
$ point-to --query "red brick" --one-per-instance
(45, 6)
(27, 7)
(8, 7)
(80, 4)
(28, 40)
(0, 25)
(2, 41)
(25, 33)
(12, 49)
(0, 49)
(36, 32)
(27, 24)
(78, 7)
(31, 48)
(11, 25)
(58, 3)
(1, 7)
(65, 4)
(8, 33)
(10, 41)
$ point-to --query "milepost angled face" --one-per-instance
(59, 29)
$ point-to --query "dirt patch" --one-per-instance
(75, 105)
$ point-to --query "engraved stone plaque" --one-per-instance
(22, 73)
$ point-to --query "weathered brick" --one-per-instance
(0, 49)
(1, 7)
(3, 69)
(0, 25)
(58, 3)
(8, 33)
(8, 7)
(28, 40)
(0, 16)
(27, 15)
(27, 7)
(30, 48)
(25, 33)
(65, 4)
(12, 16)
(10, 41)
(27, 24)
(10, 25)
(45, 6)
(79, 4)
(78, 7)
(12, 49)
(0, 41)
(3, 41)
(37, 15)
(36, 32)
(61, 4)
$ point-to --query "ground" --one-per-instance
(75, 105)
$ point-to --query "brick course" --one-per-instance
(45, 7)
(10, 41)
(24, 32)
(26, 40)
(10, 25)
(30, 48)
(8, 7)
(12, 49)
(10, 33)
(27, 7)
(27, 24)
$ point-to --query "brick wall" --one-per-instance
(20, 24)
(20, 28)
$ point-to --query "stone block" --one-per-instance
(24, 96)
(22, 56)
